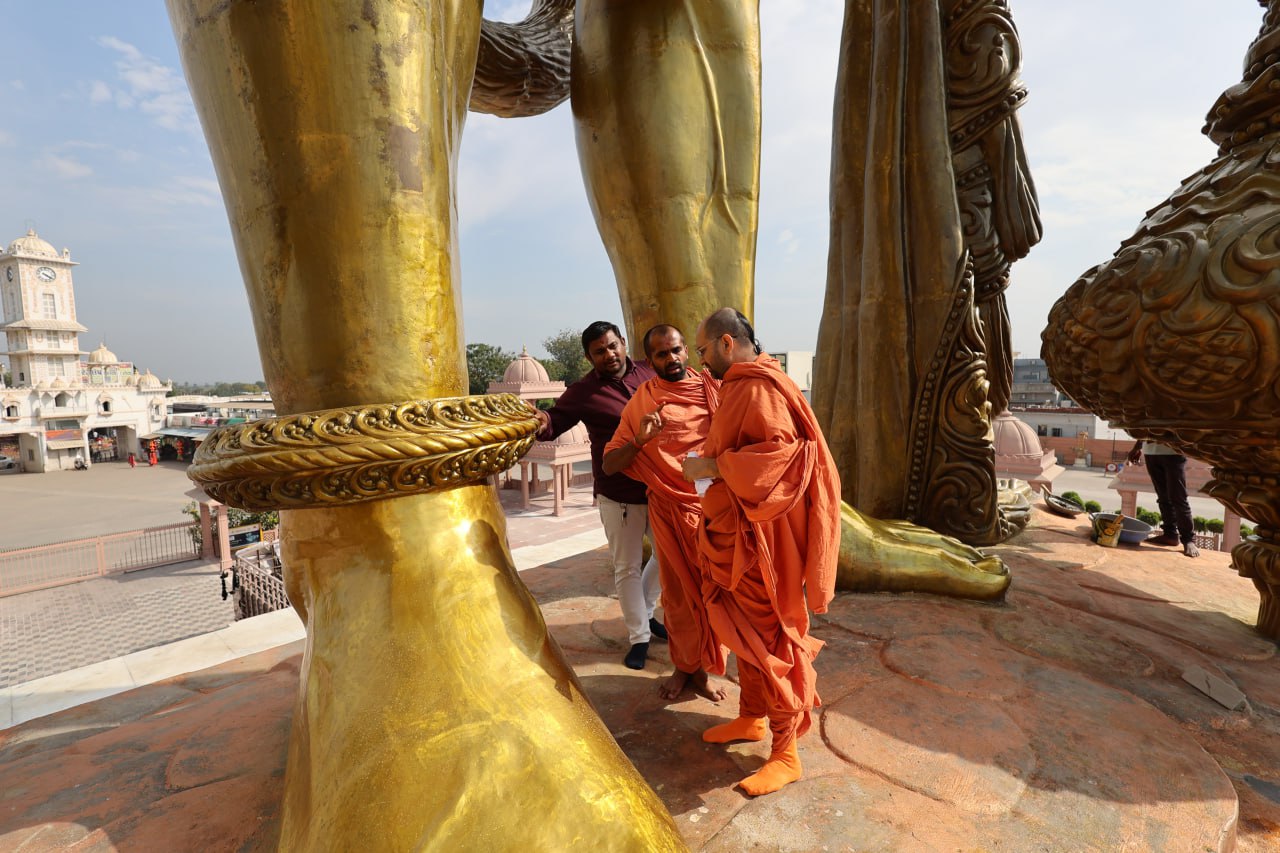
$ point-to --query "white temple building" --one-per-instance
(55, 407)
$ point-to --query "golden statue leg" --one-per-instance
(433, 711)
(898, 556)
(666, 101)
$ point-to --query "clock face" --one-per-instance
(46, 273)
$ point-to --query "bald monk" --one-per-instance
(664, 421)
(769, 541)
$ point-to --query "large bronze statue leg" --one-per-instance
(931, 202)
(666, 101)
(434, 711)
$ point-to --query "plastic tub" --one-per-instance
(1132, 532)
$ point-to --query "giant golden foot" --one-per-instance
(435, 712)
(898, 556)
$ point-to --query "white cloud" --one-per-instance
(788, 241)
(155, 89)
(65, 167)
(99, 92)
(182, 192)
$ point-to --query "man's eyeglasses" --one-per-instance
(702, 349)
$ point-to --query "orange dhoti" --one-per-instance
(690, 638)
(769, 542)
(675, 513)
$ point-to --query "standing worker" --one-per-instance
(1168, 470)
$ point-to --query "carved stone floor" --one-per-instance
(1057, 721)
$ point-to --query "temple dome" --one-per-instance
(527, 379)
(58, 383)
(1020, 456)
(1013, 438)
(525, 370)
(149, 381)
(102, 355)
(31, 244)
(577, 435)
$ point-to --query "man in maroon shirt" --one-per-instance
(597, 400)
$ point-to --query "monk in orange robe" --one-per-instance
(769, 541)
(666, 419)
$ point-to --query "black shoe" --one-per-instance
(657, 629)
(637, 656)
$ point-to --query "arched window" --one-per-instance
(62, 400)
(11, 411)
(106, 407)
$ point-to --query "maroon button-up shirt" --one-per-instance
(597, 402)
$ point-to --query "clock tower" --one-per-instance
(39, 313)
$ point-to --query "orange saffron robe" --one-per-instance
(770, 540)
(674, 510)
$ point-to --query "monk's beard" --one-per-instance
(673, 375)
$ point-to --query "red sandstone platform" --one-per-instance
(1056, 721)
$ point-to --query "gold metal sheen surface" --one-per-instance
(434, 711)
(355, 454)
(898, 556)
(459, 725)
(666, 106)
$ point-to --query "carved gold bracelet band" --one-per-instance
(363, 453)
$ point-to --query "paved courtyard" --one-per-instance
(111, 497)
(54, 630)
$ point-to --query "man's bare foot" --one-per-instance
(673, 685)
(743, 728)
(779, 771)
(671, 688)
(703, 687)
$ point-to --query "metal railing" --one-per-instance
(43, 566)
(1207, 541)
(258, 581)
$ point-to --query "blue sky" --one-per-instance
(100, 150)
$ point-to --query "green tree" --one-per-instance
(555, 370)
(565, 348)
(217, 389)
(485, 364)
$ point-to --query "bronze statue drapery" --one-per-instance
(931, 203)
